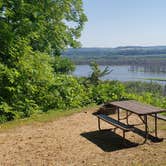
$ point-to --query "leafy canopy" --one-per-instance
(48, 25)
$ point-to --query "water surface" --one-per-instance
(121, 73)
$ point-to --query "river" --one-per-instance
(122, 73)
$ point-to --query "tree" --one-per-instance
(48, 25)
(31, 32)
(97, 73)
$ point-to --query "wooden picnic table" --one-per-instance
(140, 109)
(132, 107)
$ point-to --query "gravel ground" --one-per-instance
(75, 140)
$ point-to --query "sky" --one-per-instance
(113, 23)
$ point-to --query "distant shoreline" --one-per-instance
(149, 57)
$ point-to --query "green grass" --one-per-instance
(41, 118)
(49, 116)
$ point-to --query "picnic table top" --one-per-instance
(137, 107)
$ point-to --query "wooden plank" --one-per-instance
(137, 107)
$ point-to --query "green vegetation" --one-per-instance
(139, 87)
(97, 73)
(62, 65)
(44, 25)
(43, 117)
(35, 79)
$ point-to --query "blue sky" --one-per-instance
(114, 23)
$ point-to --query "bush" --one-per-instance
(108, 91)
(23, 82)
(67, 93)
(148, 98)
(6, 112)
(30, 85)
(139, 87)
(62, 65)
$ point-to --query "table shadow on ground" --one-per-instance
(108, 141)
(143, 134)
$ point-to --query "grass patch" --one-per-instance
(42, 118)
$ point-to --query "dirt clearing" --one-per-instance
(75, 140)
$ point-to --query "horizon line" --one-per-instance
(122, 46)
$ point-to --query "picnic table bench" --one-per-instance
(132, 107)
(114, 122)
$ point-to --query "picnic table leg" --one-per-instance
(157, 139)
(127, 121)
(99, 124)
(118, 113)
(146, 127)
(123, 134)
(155, 125)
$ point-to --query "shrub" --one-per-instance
(108, 91)
(148, 98)
(67, 93)
(142, 87)
(6, 112)
(62, 65)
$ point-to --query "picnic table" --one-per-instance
(133, 107)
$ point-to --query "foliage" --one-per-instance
(148, 98)
(49, 26)
(65, 93)
(150, 93)
(62, 65)
(108, 91)
(22, 85)
(6, 112)
(139, 87)
(97, 73)
(34, 87)
(32, 31)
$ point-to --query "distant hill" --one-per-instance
(129, 55)
(128, 50)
